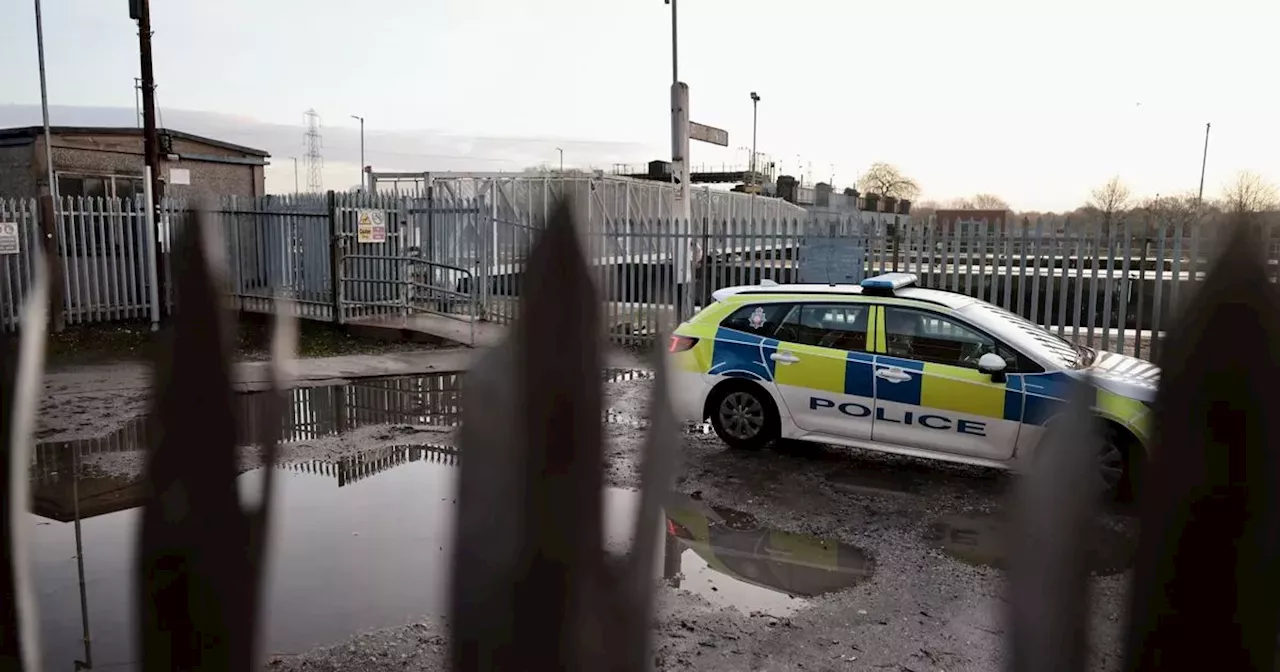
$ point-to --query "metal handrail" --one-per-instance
(470, 296)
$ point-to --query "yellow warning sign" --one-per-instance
(371, 226)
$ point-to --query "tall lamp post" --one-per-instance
(755, 110)
(1204, 161)
(682, 210)
(362, 180)
(44, 103)
(561, 158)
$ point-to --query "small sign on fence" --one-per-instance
(8, 238)
(371, 226)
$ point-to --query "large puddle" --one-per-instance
(366, 543)
(431, 400)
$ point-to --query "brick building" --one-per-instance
(99, 161)
(969, 222)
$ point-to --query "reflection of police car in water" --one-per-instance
(898, 368)
(734, 544)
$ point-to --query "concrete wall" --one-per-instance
(17, 174)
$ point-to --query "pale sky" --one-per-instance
(1034, 101)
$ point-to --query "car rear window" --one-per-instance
(761, 319)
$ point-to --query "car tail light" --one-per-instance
(681, 343)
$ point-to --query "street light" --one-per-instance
(44, 103)
(675, 72)
(755, 103)
(1204, 161)
(361, 119)
(561, 158)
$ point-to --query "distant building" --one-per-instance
(969, 222)
(96, 161)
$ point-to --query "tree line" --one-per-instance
(1247, 192)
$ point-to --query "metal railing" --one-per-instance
(408, 301)
(1111, 285)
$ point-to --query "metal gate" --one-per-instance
(400, 256)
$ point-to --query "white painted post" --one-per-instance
(680, 173)
(152, 273)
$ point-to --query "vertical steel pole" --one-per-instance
(1203, 162)
(44, 103)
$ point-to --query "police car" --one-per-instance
(890, 366)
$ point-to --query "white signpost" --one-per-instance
(8, 238)
(371, 226)
(710, 134)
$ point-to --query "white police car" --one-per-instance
(890, 366)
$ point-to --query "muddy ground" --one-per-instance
(934, 599)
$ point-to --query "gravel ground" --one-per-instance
(923, 608)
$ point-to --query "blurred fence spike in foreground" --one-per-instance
(1053, 511)
(200, 554)
(1206, 581)
(20, 387)
(532, 589)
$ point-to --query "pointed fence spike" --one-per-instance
(1210, 514)
(20, 641)
(200, 555)
(1053, 517)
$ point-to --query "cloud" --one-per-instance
(398, 150)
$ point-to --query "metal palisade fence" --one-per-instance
(535, 589)
(342, 258)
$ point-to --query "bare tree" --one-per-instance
(979, 202)
(886, 180)
(989, 202)
(1249, 192)
(1166, 215)
(1173, 210)
(545, 168)
(925, 209)
(1111, 202)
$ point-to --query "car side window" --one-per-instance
(842, 326)
(761, 319)
(929, 337)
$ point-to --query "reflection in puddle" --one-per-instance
(981, 539)
(365, 542)
(433, 400)
(732, 560)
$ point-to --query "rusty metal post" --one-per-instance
(335, 258)
(52, 261)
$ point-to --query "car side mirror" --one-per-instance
(992, 365)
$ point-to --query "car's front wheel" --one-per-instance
(744, 416)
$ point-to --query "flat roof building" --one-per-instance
(109, 162)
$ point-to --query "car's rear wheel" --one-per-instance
(744, 416)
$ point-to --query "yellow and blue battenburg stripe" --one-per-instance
(1031, 399)
(741, 355)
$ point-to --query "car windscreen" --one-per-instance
(1068, 354)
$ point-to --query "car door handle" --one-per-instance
(893, 375)
(784, 357)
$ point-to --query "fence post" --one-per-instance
(335, 258)
(52, 261)
(155, 249)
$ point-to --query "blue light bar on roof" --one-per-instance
(891, 281)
